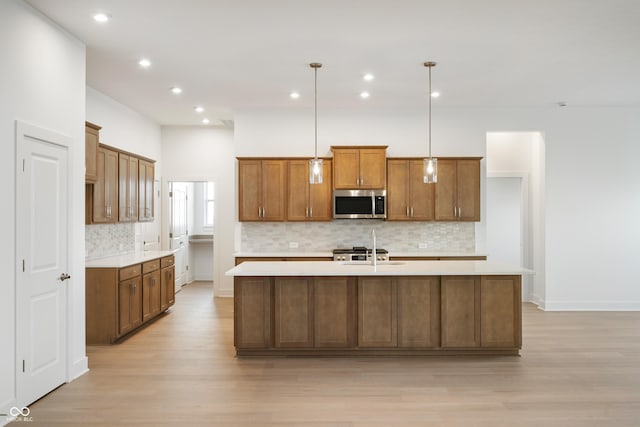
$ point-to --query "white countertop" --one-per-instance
(402, 268)
(283, 254)
(126, 260)
(296, 254)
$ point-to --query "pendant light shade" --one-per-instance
(430, 174)
(315, 164)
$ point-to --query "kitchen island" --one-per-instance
(395, 308)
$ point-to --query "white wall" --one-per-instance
(592, 234)
(207, 154)
(42, 81)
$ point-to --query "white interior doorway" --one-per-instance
(506, 198)
(515, 206)
(191, 229)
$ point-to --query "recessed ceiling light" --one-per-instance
(294, 95)
(205, 121)
(364, 95)
(368, 77)
(176, 90)
(198, 109)
(101, 17)
(144, 63)
(435, 94)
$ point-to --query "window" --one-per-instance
(208, 204)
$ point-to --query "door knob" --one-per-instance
(63, 277)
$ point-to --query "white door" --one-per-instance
(178, 226)
(41, 248)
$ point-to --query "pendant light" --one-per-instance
(315, 164)
(430, 173)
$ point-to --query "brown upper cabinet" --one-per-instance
(123, 187)
(105, 189)
(146, 171)
(308, 202)
(127, 188)
(262, 187)
(91, 139)
(359, 167)
(408, 197)
(457, 196)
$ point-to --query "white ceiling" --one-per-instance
(232, 54)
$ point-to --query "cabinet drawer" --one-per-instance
(129, 272)
(167, 261)
(150, 266)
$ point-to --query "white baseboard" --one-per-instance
(224, 293)
(591, 306)
(78, 368)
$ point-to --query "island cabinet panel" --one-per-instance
(293, 312)
(377, 318)
(460, 311)
(501, 311)
(334, 312)
(418, 312)
(252, 312)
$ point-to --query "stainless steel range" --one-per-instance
(359, 253)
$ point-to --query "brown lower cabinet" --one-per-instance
(129, 306)
(167, 283)
(377, 315)
(119, 300)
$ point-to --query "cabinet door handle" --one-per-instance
(311, 212)
(306, 212)
(407, 211)
(411, 211)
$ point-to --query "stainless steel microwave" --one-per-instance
(352, 204)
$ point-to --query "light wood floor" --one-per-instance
(576, 369)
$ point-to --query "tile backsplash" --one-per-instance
(102, 240)
(324, 236)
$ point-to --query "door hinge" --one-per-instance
(187, 268)
(171, 235)
(23, 266)
(170, 193)
(23, 367)
(23, 164)
(158, 238)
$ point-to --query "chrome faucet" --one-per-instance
(374, 257)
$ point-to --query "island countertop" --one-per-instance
(383, 268)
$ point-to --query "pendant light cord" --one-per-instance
(315, 109)
(429, 95)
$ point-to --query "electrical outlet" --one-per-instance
(422, 245)
(293, 245)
